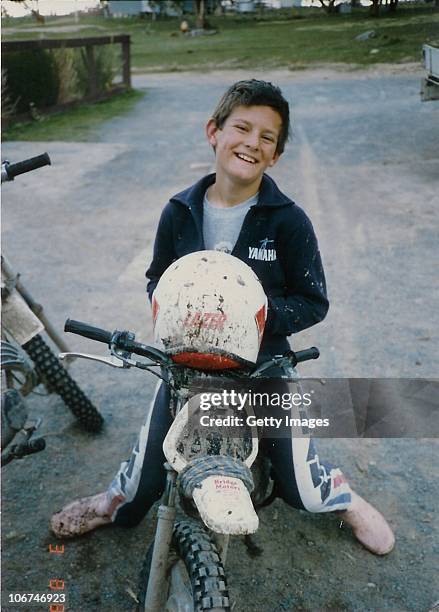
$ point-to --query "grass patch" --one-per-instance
(273, 39)
(74, 125)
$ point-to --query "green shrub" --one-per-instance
(32, 79)
(104, 59)
(8, 104)
(66, 62)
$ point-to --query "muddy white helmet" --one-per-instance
(209, 311)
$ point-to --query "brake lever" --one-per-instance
(113, 361)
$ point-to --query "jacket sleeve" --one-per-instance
(305, 301)
(164, 253)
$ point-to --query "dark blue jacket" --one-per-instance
(276, 240)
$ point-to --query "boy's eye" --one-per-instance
(268, 138)
(243, 128)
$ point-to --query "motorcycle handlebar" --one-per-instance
(88, 331)
(122, 340)
(35, 446)
(27, 165)
(125, 341)
(17, 451)
(307, 354)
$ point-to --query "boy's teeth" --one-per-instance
(245, 158)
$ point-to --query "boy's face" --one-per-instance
(246, 144)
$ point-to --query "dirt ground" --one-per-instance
(364, 164)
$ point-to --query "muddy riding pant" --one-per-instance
(301, 479)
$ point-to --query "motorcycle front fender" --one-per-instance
(18, 320)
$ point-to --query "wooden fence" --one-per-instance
(89, 44)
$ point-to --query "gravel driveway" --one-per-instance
(364, 163)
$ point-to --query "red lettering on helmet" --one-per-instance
(206, 320)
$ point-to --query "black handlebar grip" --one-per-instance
(37, 445)
(307, 354)
(88, 331)
(27, 165)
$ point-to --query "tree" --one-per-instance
(375, 8)
(200, 13)
(393, 6)
(328, 5)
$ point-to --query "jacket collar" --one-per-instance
(269, 193)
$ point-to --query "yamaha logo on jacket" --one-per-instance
(261, 253)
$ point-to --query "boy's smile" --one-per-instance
(245, 147)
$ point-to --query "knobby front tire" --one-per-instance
(194, 546)
(56, 378)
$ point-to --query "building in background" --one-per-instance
(128, 8)
(279, 4)
(170, 8)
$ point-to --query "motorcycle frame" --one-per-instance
(35, 307)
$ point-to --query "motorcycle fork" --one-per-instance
(162, 543)
(222, 544)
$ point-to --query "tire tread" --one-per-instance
(56, 378)
(199, 553)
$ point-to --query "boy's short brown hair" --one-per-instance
(255, 93)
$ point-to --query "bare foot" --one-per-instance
(369, 526)
(83, 515)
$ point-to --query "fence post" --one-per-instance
(91, 65)
(126, 62)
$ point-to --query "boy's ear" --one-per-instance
(275, 159)
(211, 130)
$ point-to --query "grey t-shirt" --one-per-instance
(221, 226)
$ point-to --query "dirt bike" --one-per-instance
(211, 471)
(27, 360)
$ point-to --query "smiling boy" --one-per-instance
(240, 210)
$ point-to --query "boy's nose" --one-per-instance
(252, 140)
